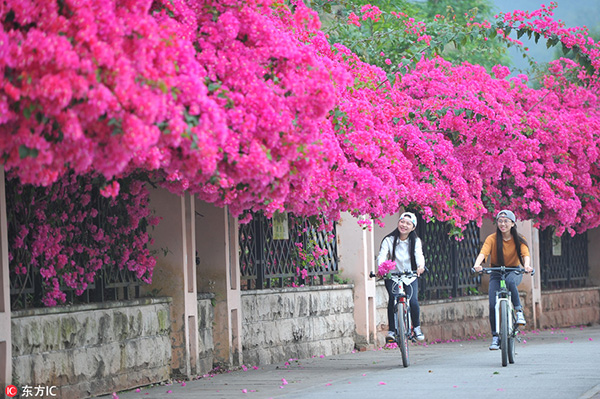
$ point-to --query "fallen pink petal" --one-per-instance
(244, 390)
(382, 383)
(284, 382)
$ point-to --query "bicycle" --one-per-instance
(403, 324)
(506, 316)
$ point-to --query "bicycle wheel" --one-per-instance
(402, 332)
(504, 332)
(511, 340)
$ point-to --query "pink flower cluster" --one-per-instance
(386, 267)
(246, 104)
(68, 232)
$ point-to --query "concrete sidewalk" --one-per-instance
(561, 363)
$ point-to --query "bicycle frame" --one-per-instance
(504, 295)
(504, 310)
(403, 325)
(403, 322)
(399, 280)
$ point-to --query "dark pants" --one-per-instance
(512, 281)
(412, 291)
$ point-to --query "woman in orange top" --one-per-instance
(513, 252)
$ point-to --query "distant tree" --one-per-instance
(389, 33)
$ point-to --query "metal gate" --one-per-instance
(448, 261)
(563, 260)
(266, 262)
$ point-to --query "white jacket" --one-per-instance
(402, 255)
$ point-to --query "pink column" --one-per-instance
(175, 274)
(356, 253)
(219, 273)
(5, 323)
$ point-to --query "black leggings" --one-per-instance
(412, 291)
(512, 281)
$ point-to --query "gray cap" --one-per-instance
(507, 214)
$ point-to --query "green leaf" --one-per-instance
(163, 86)
(28, 111)
(25, 152)
(212, 86)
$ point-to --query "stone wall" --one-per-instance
(569, 307)
(92, 349)
(280, 324)
(458, 318)
(206, 317)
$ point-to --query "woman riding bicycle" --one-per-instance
(404, 247)
(507, 254)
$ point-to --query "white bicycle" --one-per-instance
(403, 323)
(505, 313)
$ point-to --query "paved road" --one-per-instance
(559, 364)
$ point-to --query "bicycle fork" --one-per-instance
(512, 326)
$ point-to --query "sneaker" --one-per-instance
(495, 343)
(521, 318)
(419, 334)
(390, 337)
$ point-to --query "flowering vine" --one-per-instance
(68, 232)
(248, 104)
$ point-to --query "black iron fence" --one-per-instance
(563, 260)
(109, 284)
(306, 256)
(448, 261)
(27, 288)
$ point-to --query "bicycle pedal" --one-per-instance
(518, 338)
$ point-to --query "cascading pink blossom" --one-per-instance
(247, 105)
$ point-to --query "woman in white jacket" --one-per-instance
(404, 247)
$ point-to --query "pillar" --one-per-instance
(356, 261)
(5, 323)
(175, 275)
(219, 272)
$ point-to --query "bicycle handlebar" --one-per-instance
(502, 269)
(398, 274)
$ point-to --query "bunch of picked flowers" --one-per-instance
(385, 268)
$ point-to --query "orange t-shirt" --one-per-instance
(509, 248)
